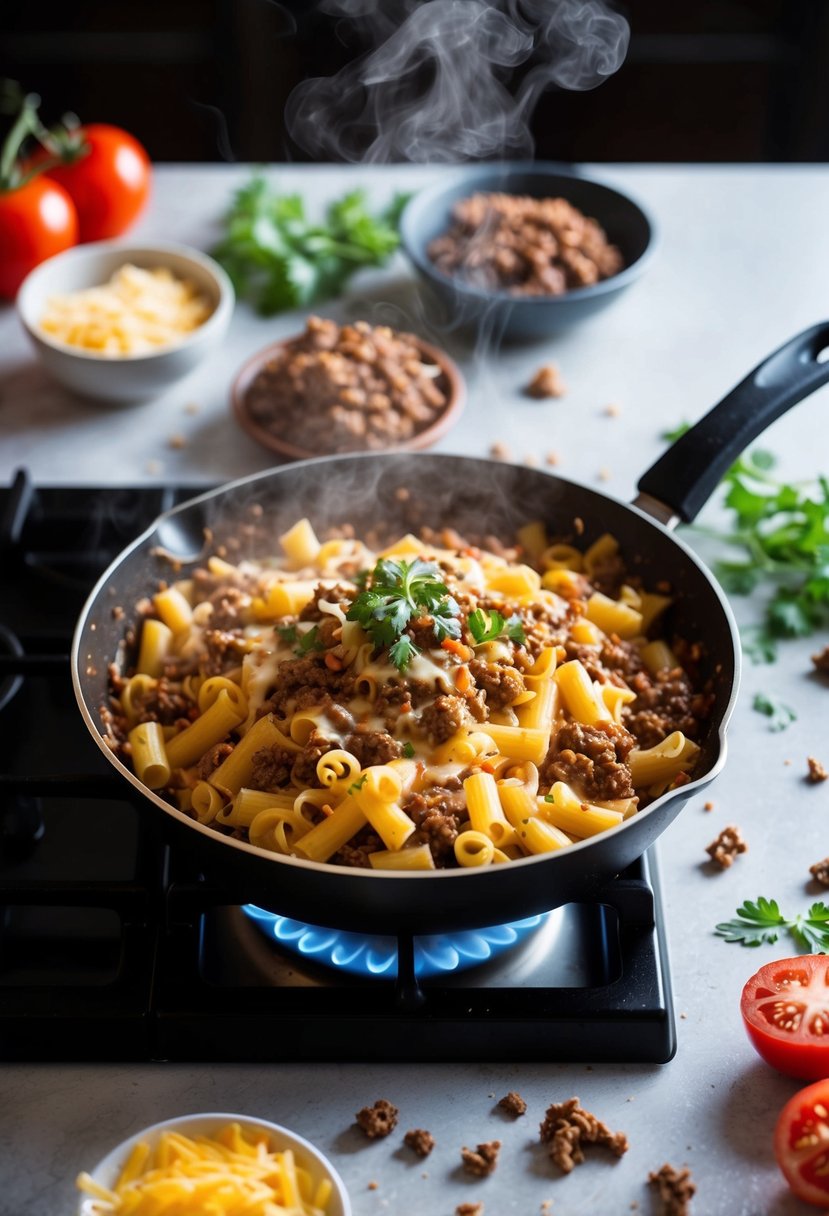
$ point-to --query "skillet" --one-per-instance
(474, 496)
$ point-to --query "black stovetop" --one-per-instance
(112, 947)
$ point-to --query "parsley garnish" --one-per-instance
(782, 529)
(763, 922)
(408, 749)
(288, 632)
(278, 259)
(358, 784)
(484, 630)
(398, 592)
(779, 714)
(309, 641)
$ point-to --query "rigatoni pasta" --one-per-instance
(433, 704)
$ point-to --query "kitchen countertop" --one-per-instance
(741, 268)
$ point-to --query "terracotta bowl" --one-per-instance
(451, 381)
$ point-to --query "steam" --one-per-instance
(434, 88)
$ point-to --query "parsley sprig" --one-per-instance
(496, 626)
(763, 922)
(780, 714)
(397, 592)
(278, 259)
(782, 529)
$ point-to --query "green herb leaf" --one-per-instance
(278, 259)
(515, 629)
(402, 652)
(762, 922)
(408, 749)
(358, 784)
(676, 433)
(287, 632)
(486, 629)
(395, 593)
(309, 641)
(779, 714)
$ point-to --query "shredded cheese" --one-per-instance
(232, 1173)
(135, 313)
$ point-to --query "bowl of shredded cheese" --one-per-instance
(217, 1163)
(121, 323)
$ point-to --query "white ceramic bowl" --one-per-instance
(123, 379)
(106, 1172)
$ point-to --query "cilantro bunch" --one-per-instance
(763, 922)
(278, 259)
(487, 630)
(397, 592)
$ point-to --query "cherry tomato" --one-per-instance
(107, 174)
(785, 1009)
(801, 1144)
(37, 220)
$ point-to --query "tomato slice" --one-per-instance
(785, 1008)
(801, 1144)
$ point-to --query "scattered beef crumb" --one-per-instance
(709, 806)
(513, 1104)
(483, 1161)
(820, 872)
(499, 451)
(177, 441)
(612, 411)
(419, 1141)
(816, 771)
(546, 382)
(726, 847)
(377, 1120)
(372, 1186)
(821, 660)
(469, 1209)
(567, 1126)
(552, 459)
(118, 613)
(675, 1189)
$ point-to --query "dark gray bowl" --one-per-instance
(502, 314)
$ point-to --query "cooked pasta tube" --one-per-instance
(568, 583)
(518, 742)
(537, 836)
(652, 606)
(327, 837)
(579, 694)
(658, 656)
(663, 761)
(376, 793)
(174, 609)
(149, 755)
(600, 552)
(586, 633)
(286, 598)
(485, 811)
(417, 858)
(278, 830)
(300, 544)
(473, 849)
(514, 581)
(564, 809)
(190, 744)
(562, 557)
(237, 769)
(612, 616)
(249, 803)
(615, 698)
(135, 691)
(337, 765)
(206, 802)
(539, 713)
(532, 538)
(543, 668)
(209, 691)
(156, 640)
(220, 568)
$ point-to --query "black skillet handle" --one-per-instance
(685, 477)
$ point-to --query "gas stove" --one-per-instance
(114, 947)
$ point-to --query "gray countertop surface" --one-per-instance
(742, 266)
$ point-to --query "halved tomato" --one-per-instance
(801, 1144)
(785, 1008)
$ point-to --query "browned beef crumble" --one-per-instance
(469, 1209)
(211, 759)
(501, 683)
(675, 1189)
(567, 1127)
(437, 814)
(483, 1160)
(338, 594)
(665, 702)
(593, 758)
(820, 872)
(307, 681)
(513, 1104)
(228, 607)
(373, 746)
(419, 1141)
(377, 1120)
(728, 845)
(546, 382)
(356, 853)
(821, 660)
(817, 772)
(271, 767)
(443, 718)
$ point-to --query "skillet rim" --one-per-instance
(348, 873)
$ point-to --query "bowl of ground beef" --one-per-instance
(347, 388)
(525, 249)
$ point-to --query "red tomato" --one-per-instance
(36, 221)
(801, 1143)
(785, 1008)
(107, 173)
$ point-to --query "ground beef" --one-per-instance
(820, 872)
(443, 718)
(614, 662)
(223, 650)
(228, 603)
(821, 660)
(357, 852)
(211, 759)
(304, 769)
(675, 1189)
(665, 702)
(377, 1120)
(437, 814)
(483, 1160)
(333, 595)
(271, 767)
(513, 1104)
(593, 759)
(502, 684)
(817, 772)
(728, 845)
(469, 1209)
(567, 1126)
(373, 746)
(546, 382)
(306, 681)
(419, 1141)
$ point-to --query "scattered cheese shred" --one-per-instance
(135, 313)
(229, 1174)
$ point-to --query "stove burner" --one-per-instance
(376, 956)
(9, 685)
